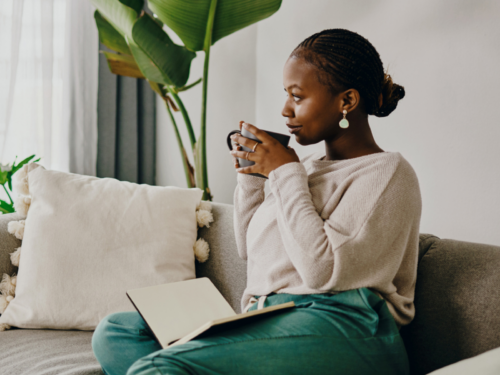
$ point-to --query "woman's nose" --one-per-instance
(287, 110)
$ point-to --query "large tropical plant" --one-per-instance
(144, 50)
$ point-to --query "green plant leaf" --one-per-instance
(157, 88)
(6, 208)
(173, 61)
(120, 16)
(188, 18)
(109, 36)
(15, 168)
(123, 65)
(146, 66)
(136, 5)
(4, 177)
(187, 87)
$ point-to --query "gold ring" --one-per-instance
(255, 146)
(248, 155)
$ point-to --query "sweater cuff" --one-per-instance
(248, 182)
(290, 177)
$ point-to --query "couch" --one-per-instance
(457, 305)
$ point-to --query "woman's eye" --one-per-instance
(295, 97)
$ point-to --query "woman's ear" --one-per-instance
(350, 100)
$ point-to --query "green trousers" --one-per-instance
(348, 333)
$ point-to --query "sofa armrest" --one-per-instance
(8, 243)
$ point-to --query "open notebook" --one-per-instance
(178, 312)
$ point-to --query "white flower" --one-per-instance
(5, 167)
(16, 228)
(204, 218)
(201, 250)
(204, 205)
(15, 257)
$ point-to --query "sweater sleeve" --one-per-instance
(248, 196)
(364, 237)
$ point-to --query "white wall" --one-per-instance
(446, 56)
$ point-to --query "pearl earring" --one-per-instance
(344, 124)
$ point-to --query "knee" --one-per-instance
(103, 336)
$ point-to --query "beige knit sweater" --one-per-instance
(331, 226)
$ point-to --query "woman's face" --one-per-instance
(310, 107)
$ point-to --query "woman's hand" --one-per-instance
(236, 147)
(268, 155)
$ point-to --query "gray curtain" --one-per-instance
(126, 143)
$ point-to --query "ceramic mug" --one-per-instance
(281, 138)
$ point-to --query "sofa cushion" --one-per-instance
(457, 300)
(484, 364)
(47, 352)
(88, 240)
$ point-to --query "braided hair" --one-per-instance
(347, 60)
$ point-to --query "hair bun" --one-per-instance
(391, 94)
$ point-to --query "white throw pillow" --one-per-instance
(487, 363)
(88, 240)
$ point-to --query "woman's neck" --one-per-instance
(357, 140)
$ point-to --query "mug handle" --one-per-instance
(229, 144)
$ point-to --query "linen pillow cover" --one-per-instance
(87, 240)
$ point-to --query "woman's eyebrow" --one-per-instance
(292, 86)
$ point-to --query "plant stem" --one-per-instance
(185, 115)
(11, 201)
(203, 132)
(187, 167)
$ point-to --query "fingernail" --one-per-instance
(245, 125)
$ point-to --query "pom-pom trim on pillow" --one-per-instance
(201, 250)
(204, 218)
(20, 181)
(15, 257)
(8, 285)
(3, 303)
(22, 204)
(204, 205)
(17, 228)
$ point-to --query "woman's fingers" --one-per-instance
(247, 142)
(260, 134)
(236, 147)
(242, 155)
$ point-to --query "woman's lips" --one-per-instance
(294, 129)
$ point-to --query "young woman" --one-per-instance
(338, 234)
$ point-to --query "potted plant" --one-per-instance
(142, 49)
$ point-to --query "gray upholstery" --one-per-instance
(457, 301)
(224, 267)
(47, 352)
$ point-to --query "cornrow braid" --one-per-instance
(347, 60)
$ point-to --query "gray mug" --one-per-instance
(281, 138)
